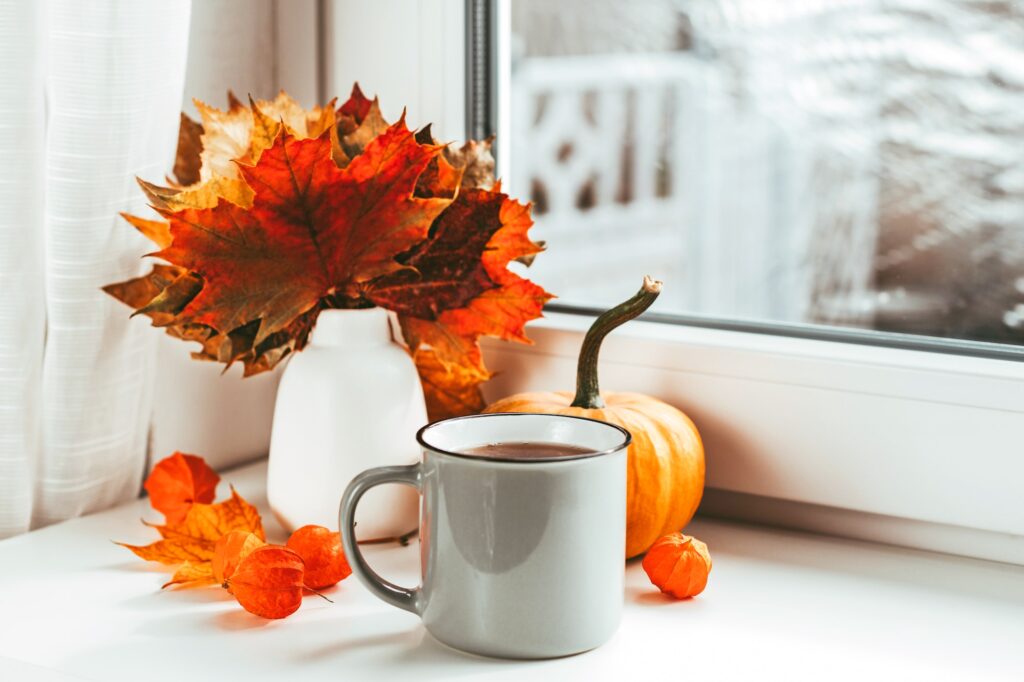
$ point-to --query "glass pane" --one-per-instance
(856, 163)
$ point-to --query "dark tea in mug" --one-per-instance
(524, 451)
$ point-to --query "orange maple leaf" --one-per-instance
(449, 391)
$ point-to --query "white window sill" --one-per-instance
(929, 440)
(779, 605)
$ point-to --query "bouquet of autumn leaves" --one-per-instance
(277, 212)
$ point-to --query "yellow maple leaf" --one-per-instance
(204, 194)
(242, 133)
(194, 539)
(226, 136)
(302, 123)
(192, 575)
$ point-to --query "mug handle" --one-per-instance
(386, 590)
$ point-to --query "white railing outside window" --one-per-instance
(650, 165)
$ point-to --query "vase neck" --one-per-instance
(351, 328)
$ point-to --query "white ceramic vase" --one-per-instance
(350, 400)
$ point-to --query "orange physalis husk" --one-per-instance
(269, 582)
(678, 565)
(229, 552)
(322, 555)
(179, 481)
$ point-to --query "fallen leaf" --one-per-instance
(191, 575)
(268, 582)
(321, 554)
(195, 538)
(179, 481)
(528, 260)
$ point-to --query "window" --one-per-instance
(779, 162)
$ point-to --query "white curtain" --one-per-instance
(89, 99)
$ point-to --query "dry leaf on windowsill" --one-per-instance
(194, 539)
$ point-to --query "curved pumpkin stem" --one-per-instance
(588, 394)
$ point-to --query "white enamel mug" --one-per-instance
(521, 558)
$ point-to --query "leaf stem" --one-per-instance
(402, 539)
(341, 301)
(319, 594)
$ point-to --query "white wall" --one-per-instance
(409, 52)
(231, 45)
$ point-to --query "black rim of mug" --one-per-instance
(421, 439)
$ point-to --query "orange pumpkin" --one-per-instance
(665, 469)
